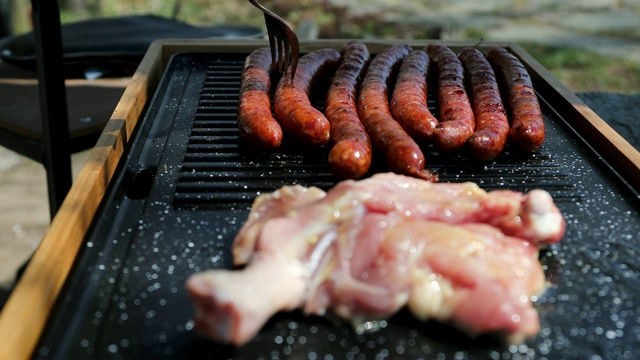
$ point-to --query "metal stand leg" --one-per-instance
(53, 100)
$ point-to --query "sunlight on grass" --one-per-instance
(581, 70)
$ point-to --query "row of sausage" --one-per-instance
(379, 104)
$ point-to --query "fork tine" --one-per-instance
(282, 65)
(282, 40)
(274, 54)
(285, 60)
(295, 49)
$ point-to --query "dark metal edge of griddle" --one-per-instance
(98, 282)
(89, 267)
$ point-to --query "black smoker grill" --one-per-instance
(186, 187)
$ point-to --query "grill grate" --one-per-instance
(124, 298)
(219, 170)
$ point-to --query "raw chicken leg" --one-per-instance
(365, 249)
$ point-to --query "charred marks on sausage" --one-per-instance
(409, 97)
(402, 154)
(292, 107)
(527, 123)
(350, 155)
(256, 124)
(457, 121)
(492, 125)
(360, 116)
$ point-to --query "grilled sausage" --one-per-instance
(350, 156)
(256, 123)
(527, 123)
(492, 124)
(409, 97)
(457, 122)
(292, 107)
(401, 152)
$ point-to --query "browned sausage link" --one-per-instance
(492, 124)
(350, 156)
(401, 152)
(527, 123)
(409, 97)
(457, 122)
(256, 123)
(292, 107)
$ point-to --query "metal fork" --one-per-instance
(282, 40)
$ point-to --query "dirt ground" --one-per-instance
(24, 210)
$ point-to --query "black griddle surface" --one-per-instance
(186, 188)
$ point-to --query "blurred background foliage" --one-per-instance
(580, 68)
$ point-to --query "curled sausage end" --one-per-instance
(350, 160)
(303, 122)
(451, 135)
(484, 146)
(425, 175)
(406, 159)
(269, 138)
(257, 127)
(527, 139)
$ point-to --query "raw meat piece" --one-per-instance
(472, 275)
(266, 207)
(365, 249)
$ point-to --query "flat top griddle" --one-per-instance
(186, 188)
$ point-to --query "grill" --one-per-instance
(218, 169)
(187, 186)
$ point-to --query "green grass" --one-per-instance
(581, 70)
